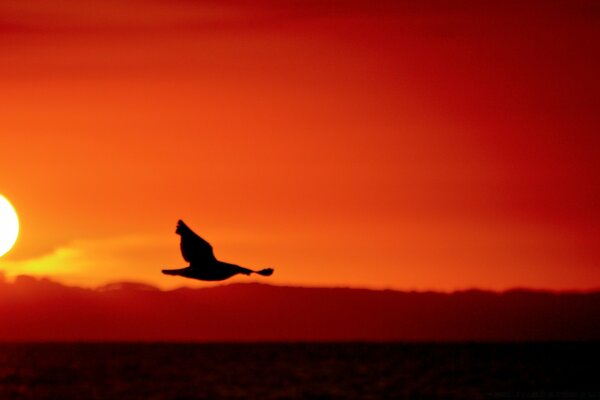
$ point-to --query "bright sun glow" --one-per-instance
(9, 226)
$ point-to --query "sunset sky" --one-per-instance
(384, 144)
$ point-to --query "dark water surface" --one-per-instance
(300, 370)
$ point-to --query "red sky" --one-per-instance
(410, 145)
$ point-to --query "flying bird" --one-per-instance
(204, 265)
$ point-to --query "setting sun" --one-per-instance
(9, 226)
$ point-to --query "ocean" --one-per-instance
(567, 370)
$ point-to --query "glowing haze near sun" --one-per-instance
(9, 226)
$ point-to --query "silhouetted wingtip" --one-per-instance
(180, 226)
(168, 272)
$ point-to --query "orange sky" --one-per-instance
(409, 145)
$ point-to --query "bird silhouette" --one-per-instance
(204, 265)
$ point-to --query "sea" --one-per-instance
(557, 370)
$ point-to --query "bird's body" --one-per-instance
(203, 264)
(217, 271)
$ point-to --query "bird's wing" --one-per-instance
(194, 249)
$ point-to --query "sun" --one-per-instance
(9, 225)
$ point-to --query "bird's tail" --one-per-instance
(265, 272)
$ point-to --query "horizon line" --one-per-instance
(120, 284)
